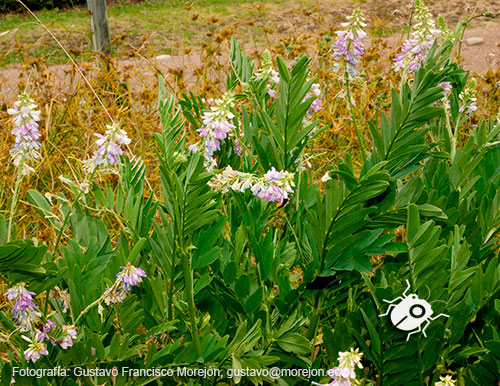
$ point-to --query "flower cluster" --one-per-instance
(26, 316)
(344, 373)
(27, 145)
(447, 87)
(445, 381)
(107, 156)
(62, 296)
(348, 46)
(266, 72)
(24, 309)
(273, 186)
(217, 127)
(127, 278)
(68, 336)
(317, 104)
(468, 97)
(64, 337)
(415, 50)
(36, 347)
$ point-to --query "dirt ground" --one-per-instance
(478, 58)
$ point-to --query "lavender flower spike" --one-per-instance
(468, 98)
(129, 277)
(107, 156)
(348, 47)
(414, 50)
(24, 310)
(317, 104)
(217, 126)
(273, 186)
(27, 146)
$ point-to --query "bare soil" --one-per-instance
(386, 15)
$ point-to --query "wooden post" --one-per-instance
(99, 25)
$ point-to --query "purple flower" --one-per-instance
(446, 87)
(413, 54)
(348, 47)
(36, 348)
(26, 146)
(131, 275)
(69, 336)
(107, 156)
(237, 147)
(275, 77)
(24, 310)
(468, 98)
(340, 376)
(273, 186)
(49, 326)
(272, 93)
(414, 50)
(317, 104)
(217, 127)
(193, 148)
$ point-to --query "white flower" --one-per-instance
(445, 381)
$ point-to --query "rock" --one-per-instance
(163, 57)
(474, 41)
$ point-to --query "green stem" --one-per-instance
(453, 136)
(459, 51)
(66, 218)
(87, 309)
(353, 117)
(46, 307)
(313, 328)
(420, 370)
(411, 20)
(188, 280)
(14, 198)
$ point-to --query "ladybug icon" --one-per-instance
(410, 313)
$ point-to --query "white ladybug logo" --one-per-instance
(410, 313)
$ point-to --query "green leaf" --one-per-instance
(294, 343)
(374, 337)
(242, 286)
(42, 206)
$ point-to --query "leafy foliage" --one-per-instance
(232, 281)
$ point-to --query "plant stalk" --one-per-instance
(14, 198)
(353, 117)
(188, 280)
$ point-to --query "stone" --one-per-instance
(474, 41)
